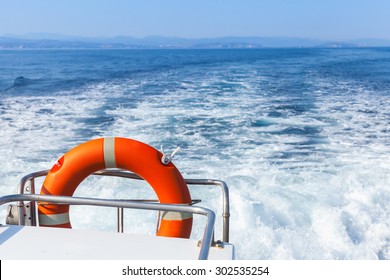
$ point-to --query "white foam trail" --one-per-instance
(322, 194)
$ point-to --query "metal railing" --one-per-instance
(23, 188)
(207, 234)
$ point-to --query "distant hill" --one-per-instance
(57, 41)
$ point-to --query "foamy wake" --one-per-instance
(311, 184)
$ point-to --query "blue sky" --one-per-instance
(317, 19)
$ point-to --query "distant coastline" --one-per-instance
(56, 41)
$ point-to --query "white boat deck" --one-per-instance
(28, 242)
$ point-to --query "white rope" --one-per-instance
(167, 158)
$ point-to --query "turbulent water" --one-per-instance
(301, 136)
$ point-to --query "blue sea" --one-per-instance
(301, 136)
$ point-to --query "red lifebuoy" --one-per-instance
(80, 162)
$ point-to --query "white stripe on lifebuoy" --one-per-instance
(175, 216)
(54, 219)
(109, 152)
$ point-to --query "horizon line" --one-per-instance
(43, 35)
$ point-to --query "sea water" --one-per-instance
(301, 136)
